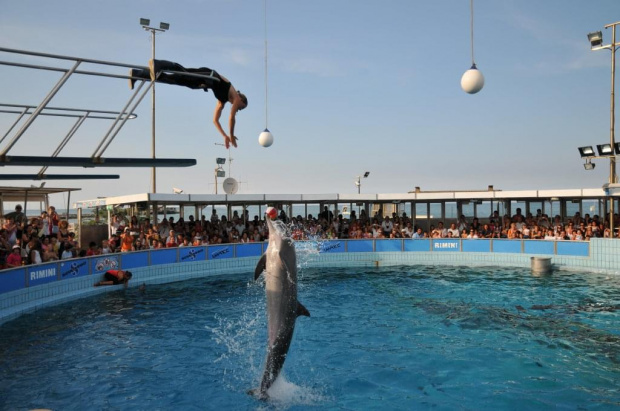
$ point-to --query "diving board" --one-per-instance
(59, 176)
(89, 162)
(27, 114)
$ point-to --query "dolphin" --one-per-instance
(280, 265)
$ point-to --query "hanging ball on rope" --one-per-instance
(472, 81)
(265, 138)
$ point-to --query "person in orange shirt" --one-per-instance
(126, 241)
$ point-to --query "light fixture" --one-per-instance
(589, 165)
(145, 22)
(617, 147)
(164, 26)
(605, 149)
(221, 173)
(587, 151)
(366, 174)
(220, 160)
(596, 39)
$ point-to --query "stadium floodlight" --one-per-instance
(605, 149)
(595, 38)
(587, 151)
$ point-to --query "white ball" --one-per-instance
(265, 138)
(472, 81)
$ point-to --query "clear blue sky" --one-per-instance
(354, 86)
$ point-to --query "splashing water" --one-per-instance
(284, 394)
(308, 241)
(241, 361)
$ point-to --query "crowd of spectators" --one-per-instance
(36, 240)
(47, 238)
(134, 235)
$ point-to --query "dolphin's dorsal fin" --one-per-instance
(260, 266)
(301, 310)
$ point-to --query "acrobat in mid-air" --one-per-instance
(163, 71)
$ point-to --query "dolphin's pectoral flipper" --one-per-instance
(301, 310)
(260, 266)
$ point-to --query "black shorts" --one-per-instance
(110, 277)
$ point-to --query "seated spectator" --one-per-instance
(395, 233)
(472, 234)
(35, 253)
(512, 231)
(49, 254)
(453, 230)
(186, 242)
(443, 232)
(387, 225)
(486, 231)
(408, 230)
(172, 239)
(15, 258)
(105, 247)
(67, 252)
(140, 245)
(549, 235)
(93, 249)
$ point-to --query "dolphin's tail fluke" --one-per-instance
(301, 310)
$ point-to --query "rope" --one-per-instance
(266, 105)
(471, 8)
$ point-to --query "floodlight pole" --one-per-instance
(153, 31)
(596, 40)
(216, 170)
(612, 126)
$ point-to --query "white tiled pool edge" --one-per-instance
(604, 257)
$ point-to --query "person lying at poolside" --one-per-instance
(199, 78)
(115, 277)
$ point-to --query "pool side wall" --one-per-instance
(31, 288)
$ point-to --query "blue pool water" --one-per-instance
(384, 338)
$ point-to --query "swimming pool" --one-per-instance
(398, 337)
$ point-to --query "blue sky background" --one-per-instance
(354, 86)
